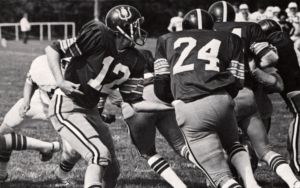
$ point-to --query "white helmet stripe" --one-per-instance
(224, 11)
(199, 16)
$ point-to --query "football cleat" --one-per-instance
(44, 157)
(4, 179)
(64, 181)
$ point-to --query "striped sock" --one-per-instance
(15, 141)
(282, 169)
(162, 167)
(231, 184)
(235, 148)
(275, 161)
(66, 166)
(186, 154)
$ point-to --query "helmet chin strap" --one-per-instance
(127, 36)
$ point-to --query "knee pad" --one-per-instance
(69, 154)
(98, 155)
(294, 98)
(245, 104)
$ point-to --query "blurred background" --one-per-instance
(157, 13)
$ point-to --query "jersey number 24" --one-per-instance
(208, 52)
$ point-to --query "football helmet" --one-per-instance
(126, 20)
(269, 26)
(197, 19)
(222, 11)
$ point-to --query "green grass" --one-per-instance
(26, 171)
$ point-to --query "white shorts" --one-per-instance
(38, 111)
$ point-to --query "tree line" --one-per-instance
(157, 13)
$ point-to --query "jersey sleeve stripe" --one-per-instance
(61, 46)
(237, 69)
(258, 47)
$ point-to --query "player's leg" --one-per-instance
(167, 126)
(294, 138)
(254, 128)
(112, 171)
(199, 129)
(75, 127)
(141, 128)
(13, 141)
(229, 137)
(68, 159)
(12, 120)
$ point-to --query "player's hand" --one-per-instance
(70, 88)
(108, 118)
(252, 65)
(23, 109)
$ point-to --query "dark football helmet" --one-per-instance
(222, 11)
(269, 26)
(197, 19)
(126, 20)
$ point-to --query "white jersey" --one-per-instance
(257, 16)
(41, 75)
(175, 22)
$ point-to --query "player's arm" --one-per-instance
(236, 67)
(28, 91)
(87, 42)
(268, 77)
(132, 93)
(162, 79)
(262, 49)
(266, 53)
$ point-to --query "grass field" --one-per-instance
(26, 171)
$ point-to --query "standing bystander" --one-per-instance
(176, 22)
(25, 27)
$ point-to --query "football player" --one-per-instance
(255, 47)
(288, 68)
(38, 89)
(146, 113)
(92, 73)
(204, 70)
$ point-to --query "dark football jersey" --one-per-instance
(287, 65)
(95, 63)
(132, 89)
(149, 67)
(201, 62)
(250, 33)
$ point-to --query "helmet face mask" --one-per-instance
(126, 20)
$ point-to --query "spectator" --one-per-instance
(286, 26)
(269, 12)
(275, 13)
(243, 15)
(259, 14)
(25, 27)
(176, 22)
(293, 17)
